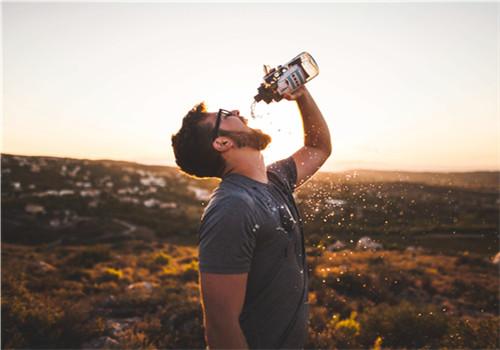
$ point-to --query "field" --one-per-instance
(102, 254)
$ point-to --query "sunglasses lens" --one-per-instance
(287, 220)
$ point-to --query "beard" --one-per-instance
(255, 138)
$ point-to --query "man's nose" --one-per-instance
(235, 112)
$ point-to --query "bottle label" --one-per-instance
(291, 80)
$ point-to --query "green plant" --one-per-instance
(89, 257)
(404, 325)
(473, 334)
(37, 321)
(110, 274)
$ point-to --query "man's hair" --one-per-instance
(192, 145)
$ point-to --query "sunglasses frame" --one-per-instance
(218, 119)
(288, 222)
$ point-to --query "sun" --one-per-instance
(284, 125)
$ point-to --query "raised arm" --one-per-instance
(317, 143)
(222, 301)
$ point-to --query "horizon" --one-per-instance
(347, 170)
(406, 86)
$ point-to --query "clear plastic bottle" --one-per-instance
(286, 78)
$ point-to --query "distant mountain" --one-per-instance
(472, 180)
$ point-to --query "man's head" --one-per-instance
(201, 153)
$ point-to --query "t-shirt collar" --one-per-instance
(245, 179)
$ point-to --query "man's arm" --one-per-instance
(222, 301)
(317, 143)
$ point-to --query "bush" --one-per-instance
(73, 274)
(336, 334)
(110, 274)
(346, 332)
(135, 304)
(472, 260)
(473, 334)
(351, 283)
(181, 324)
(135, 339)
(404, 325)
(190, 272)
(161, 258)
(89, 257)
(34, 321)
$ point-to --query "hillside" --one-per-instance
(46, 199)
(102, 254)
(480, 180)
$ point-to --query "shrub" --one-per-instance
(336, 334)
(404, 325)
(110, 274)
(161, 258)
(378, 260)
(34, 321)
(351, 283)
(190, 272)
(471, 260)
(346, 332)
(135, 339)
(181, 324)
(89, 257)
(131, 305)
(473, 334)
(73, 274)
(378, 344)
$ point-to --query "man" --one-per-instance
(253, 273)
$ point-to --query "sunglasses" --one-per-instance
(222, 113)
(287, 220)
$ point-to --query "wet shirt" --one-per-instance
(252, 227)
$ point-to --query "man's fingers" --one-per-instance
(295, 95)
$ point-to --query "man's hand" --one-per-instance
(301, 91)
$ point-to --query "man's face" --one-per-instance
(236, 127)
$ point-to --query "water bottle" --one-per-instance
(286, 78)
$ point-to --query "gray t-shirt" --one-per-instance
(249, 226)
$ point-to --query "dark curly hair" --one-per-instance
(194, 153)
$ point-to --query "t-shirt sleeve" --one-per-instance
(286, 170)
(226, 237)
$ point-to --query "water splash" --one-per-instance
(253, 111)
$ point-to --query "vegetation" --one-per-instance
(95, 270)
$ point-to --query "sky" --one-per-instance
(402, 86)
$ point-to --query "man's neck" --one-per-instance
(249, 164)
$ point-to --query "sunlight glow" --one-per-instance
(401, 86)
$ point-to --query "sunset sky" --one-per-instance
(402, 86)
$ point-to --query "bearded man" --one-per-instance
(252, 261)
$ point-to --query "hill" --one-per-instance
(46, 199)
(486, 180)
(49, 199)
(102, 254)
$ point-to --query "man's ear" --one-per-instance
(222, 143)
